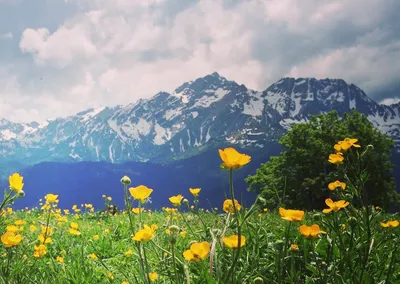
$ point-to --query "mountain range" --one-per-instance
(194, 120)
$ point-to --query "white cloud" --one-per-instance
(115, 52)
(8, 35)
(390, 101)
(364, 65)
(63, 47)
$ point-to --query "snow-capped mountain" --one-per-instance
(199, 115)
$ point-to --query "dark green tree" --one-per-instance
(299, 177)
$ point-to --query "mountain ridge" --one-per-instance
(198, 115)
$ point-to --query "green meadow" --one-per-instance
(347, 242)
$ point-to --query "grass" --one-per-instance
(261, 257)
(345, 244)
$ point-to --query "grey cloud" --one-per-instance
(366, 37)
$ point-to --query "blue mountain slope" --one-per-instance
(85, 182)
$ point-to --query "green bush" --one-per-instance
(299, 177)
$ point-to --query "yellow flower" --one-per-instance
(20, 222)
(336, 184)
(32, 228)
(124, 282)
(176, 200)
(294, 247)
(233, 159)
(88, 206)
(140, 193)
(338, 147)
(60, 259)
(195, 191)
(153, 276)
(144, 235)
(183, 234)
(109, 198)
(291, 215)
(228, 207)
(40, 251)
(233, 241)
(93, 256)
(74, 232)
(170, 210)
(51, 198)
(74, 229)
(43, 241)
(74, 225)
(47, 230)
(137, 210)
(128, 253)
(392, 224)
(311, 231)
(334, 206)
(96, 237)
(197, 251)
(110, 275)
(10, 239)
(15, 181)
(12, 228)
(346, 144)
(336, 158)
(62, 219)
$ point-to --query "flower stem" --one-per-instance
(128, 208)
(174, 263)
(239, 229)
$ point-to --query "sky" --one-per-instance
(59, 57)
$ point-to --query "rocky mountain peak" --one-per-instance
(208, 112)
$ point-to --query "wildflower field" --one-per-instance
(349, 241)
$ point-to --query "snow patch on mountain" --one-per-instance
(136, 130)
(162, 135)
(296, 98)
(114, 126)
(211, 97)
(172, 113)
(254, 107)
(352, 103)
(92, 114)
(7, 134)
(276, 101)
(301, 82)
(28, 130)
(288, 122)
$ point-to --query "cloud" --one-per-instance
(390, 101)
(114, 52)
(63, 47)
(8, 35)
